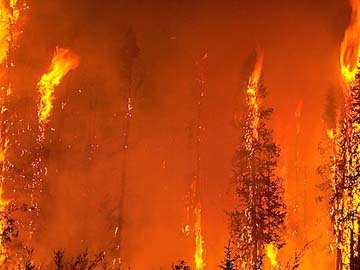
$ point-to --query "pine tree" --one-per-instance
(129, 55)
(229, 262)
(259, 218)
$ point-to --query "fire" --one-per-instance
(350, 46)
(252, 93)
(199, 262)
(345, 210)
(62, 63)
(9, 16)
(330, 133)
(271, 254)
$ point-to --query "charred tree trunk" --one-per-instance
(130, 53)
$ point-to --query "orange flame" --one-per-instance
(255, 75)
(199, 262)
(9, 16)
(252, 92)
(62, 62)
(350, 46)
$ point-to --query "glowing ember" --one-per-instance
(63, 62)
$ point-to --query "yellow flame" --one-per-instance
(199, 261)
(62, 62)
(350, 46)
(9, 15)
(255, 75)
(252, 92)
(271, 253)
(330, 133)
(4, 29)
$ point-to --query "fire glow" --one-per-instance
(114, 172)
(62, 63)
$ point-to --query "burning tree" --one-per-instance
(260, 216)
(345, 161)
(345, 171)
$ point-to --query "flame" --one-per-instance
(9, 17)
(330, 133)
(62, 62)
(199, 262)
(350, 46)
(252, 92)
(271, 253)
(345, 209)
(5, 15)
(255, 75)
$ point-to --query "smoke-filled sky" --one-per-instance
(83, 152)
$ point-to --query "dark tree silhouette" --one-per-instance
(129, 56)
(181, 265)
(229, 262)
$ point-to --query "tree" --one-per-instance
(229, 262)
(181, 265)
(345, 180)
(260, 216)
(129, 55)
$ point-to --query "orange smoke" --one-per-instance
(62, 62)
(350, 46)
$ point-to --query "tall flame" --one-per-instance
(62, 63)
(350, 46)
(252, 92)
(198, 256)
(271, 254)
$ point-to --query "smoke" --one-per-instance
(84, 140)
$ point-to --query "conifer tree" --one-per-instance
(259, 218)
(129, 56)
(229, 262)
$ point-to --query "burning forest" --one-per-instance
(180, 135)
